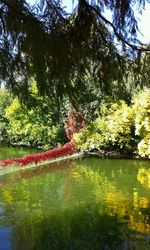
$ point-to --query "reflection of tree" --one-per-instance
(139, 222)
(85, 184)
(117, 202)
(33, 198)
(136, 214)
(24, 174)
(79, 228)
(74, 210)
(143, 177)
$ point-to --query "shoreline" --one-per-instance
(117, 155)
(81, 154)
(13, 169)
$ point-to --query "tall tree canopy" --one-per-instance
(57, 49)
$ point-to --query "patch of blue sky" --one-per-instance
(143, 19)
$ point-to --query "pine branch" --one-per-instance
(120, 37)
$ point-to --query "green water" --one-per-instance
(88, 204)
(12, 152)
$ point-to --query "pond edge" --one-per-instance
(12, 169)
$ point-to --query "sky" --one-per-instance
(144, 23)
(144, 19)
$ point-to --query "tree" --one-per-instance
(59, 49)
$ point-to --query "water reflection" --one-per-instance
(79, 228)
(143, 177)
(79, 206)
(7, 152)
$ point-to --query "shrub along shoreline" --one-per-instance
(119, 127)
(66, 149)
(118, 130)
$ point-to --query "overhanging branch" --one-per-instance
(120, 37)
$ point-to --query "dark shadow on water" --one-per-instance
(82, 228)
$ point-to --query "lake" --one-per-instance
(87, 204)
(14, 151)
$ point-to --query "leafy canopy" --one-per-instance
(59, 49)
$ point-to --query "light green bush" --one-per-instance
(5, 100)
(141, 107)
(120, 126)
(32, 127)
(93, 136)
(112, 128)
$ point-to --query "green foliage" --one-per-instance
(115, 125)
(112, 128)
(141, 107)
(32, 127)
(46, 42)
(38, 126)
(5, 100)
(120, 126)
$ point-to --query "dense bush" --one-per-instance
(141, 107)
(120, 126)
(5, 100)
(36, 126)
(113, 128)
(32, 127)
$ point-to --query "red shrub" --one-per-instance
(66, 149)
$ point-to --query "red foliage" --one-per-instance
(66, 149)
(74, 123)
